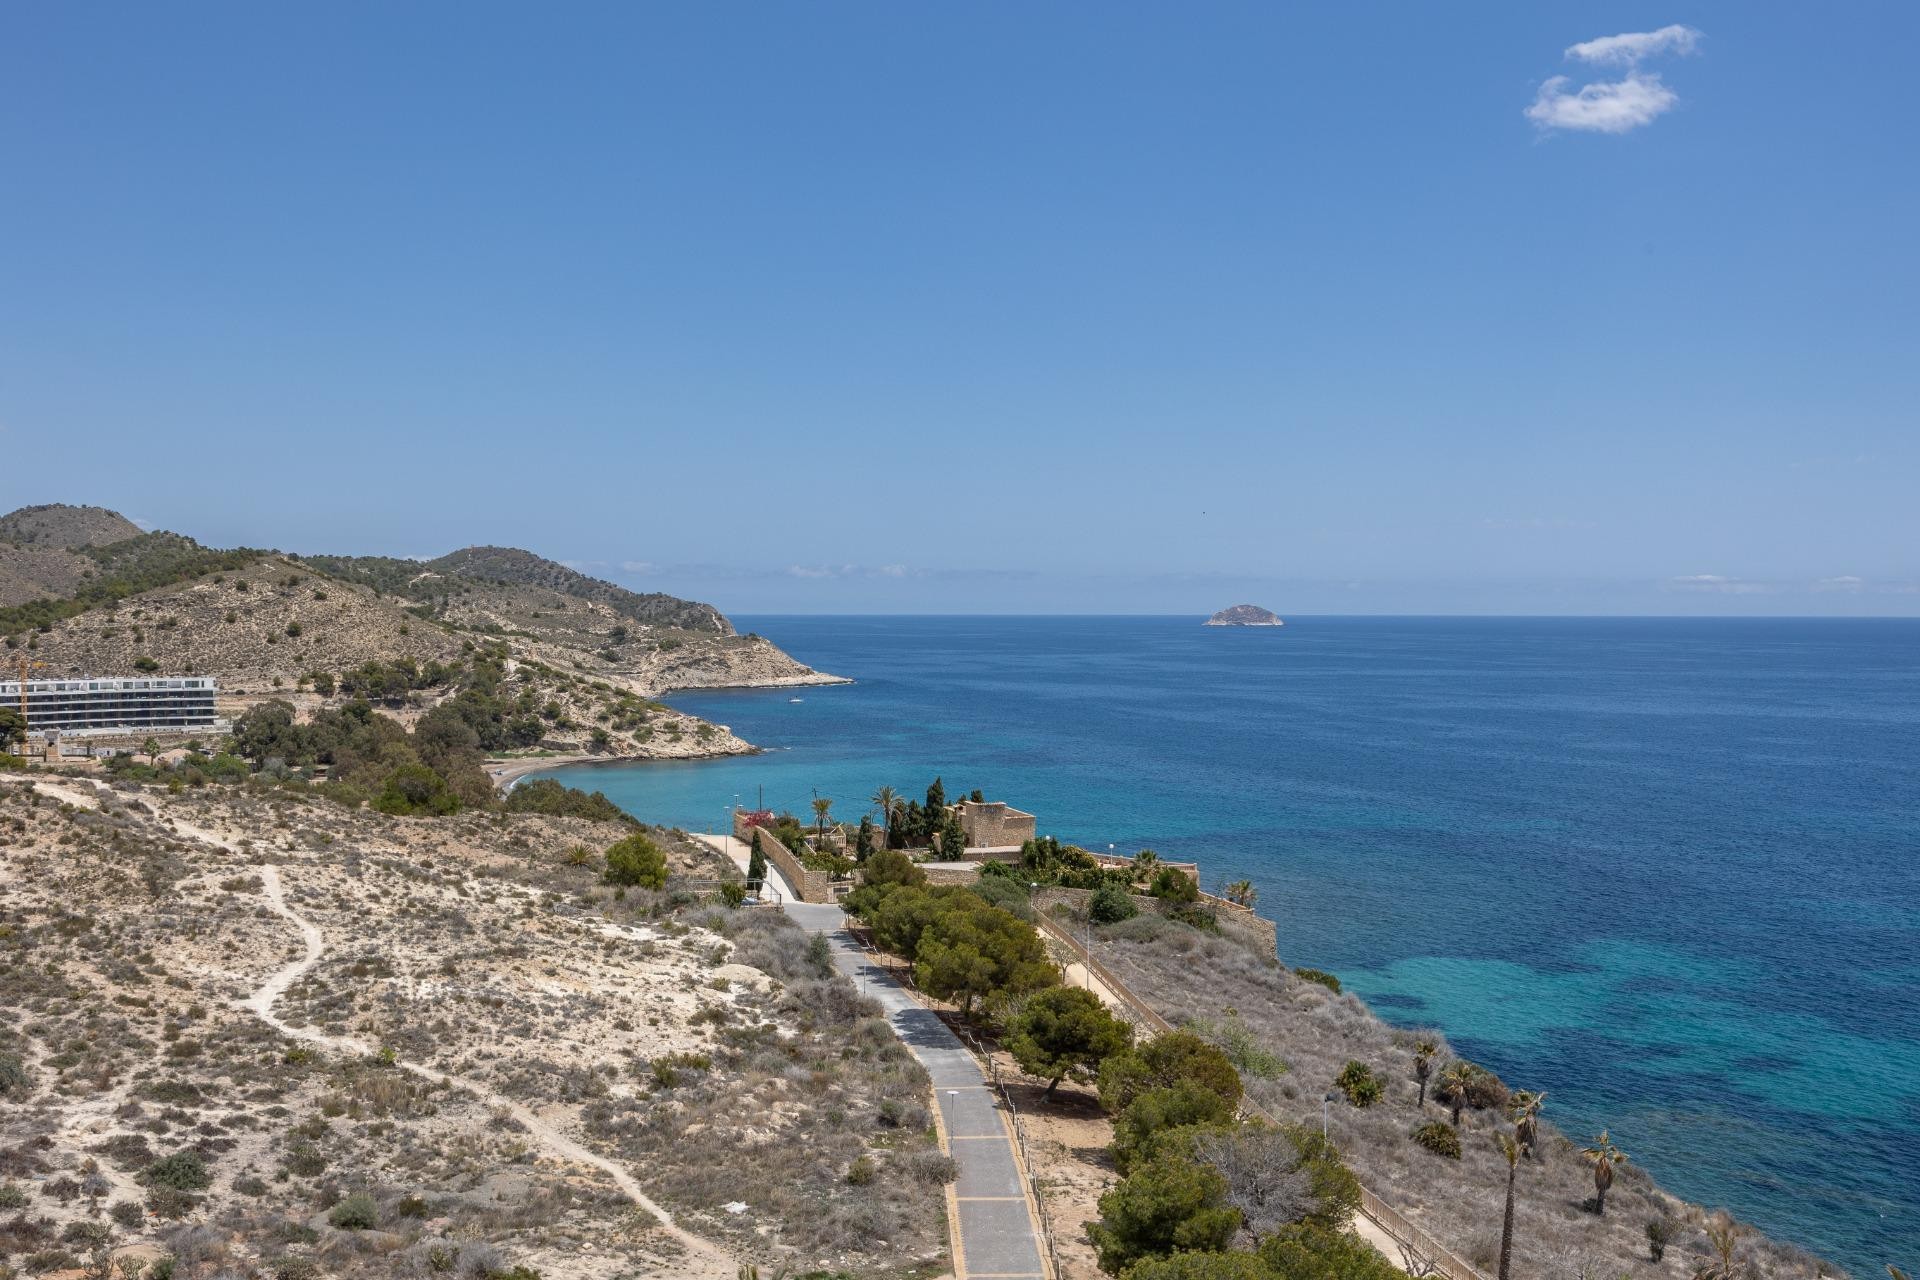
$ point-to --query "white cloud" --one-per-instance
(1629, 47)
(638, 566)
(1609, 106)
(1845, 582)
(1613, 106)
(1718, 584)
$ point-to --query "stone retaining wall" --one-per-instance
(811, 885)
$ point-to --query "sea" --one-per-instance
(1666, 869)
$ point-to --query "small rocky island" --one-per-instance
(1245, 615)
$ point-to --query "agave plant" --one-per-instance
(1603, 1156)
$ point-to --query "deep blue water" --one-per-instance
(1665, 869)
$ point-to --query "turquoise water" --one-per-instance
(1665, 869)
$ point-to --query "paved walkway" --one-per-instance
(995, 1225)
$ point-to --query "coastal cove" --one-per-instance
(1661, 868)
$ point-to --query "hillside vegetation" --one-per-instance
(586, 655)
(488, 1027)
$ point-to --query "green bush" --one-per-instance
(1173, 885)
(733, 893)
(1166, 1205)
(1358, 1082)
(861, 1172)
(1306, 1251)
(356, 1213)
(416, 790)
(1233, 1265)
(1174, 1058)
(636, 861)
(170, 1203)
(1320, 976)
(544, 795)
(1158, 1110)
(1440, 1138)
(14, 1079)
(182, 1171)
(1110, 904)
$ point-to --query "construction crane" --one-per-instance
(25, 666)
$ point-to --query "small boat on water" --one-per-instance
(795, 699)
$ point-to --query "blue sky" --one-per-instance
(1069, 307)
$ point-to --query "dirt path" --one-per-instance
(704, 1259)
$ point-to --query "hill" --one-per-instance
(275, 1036)
(41, 549)
(320, 630)
(59, 525)
(458, 572)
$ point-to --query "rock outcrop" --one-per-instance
(1245, 615)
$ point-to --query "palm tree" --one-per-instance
(884, 800)
(1455, 1085)
(1423, 1050)
(1240, 893)
(1511, 1150)
(1525, 1110)
(1145, 863)
(152, 747)
(822, 806)
(1603, 1156)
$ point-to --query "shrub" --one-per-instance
(545, 795)
(144, 663)
(1195, 915)
(636, 861)
(1660, 1233)
(1320, 976)
(1307, 1251)
(1158, 1110)
(1110, 904)
(1167, 1060)
(13, 1196)
(733, 893)
(861, 1172)
(1440, 1138)
(414, 789)
(127, 1213)
(1167, 1204)
(1358, 1082)
(1173, 885)
(182, 1171)
(356, 1213)
(167, 1202)
(14, 1080)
